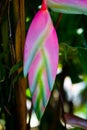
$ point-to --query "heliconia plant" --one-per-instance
(41, 58)
(68, 6)
(41, 50)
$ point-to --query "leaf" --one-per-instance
(68, 6)
(41, 59)
(15, 67)
(28, 93)
(83, 58)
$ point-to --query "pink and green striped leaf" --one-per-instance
(68, 6)
(41, 59)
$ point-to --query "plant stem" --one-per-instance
(20, 87)
(2, 11)
(58, 20)
(76, 121)
(44, 5)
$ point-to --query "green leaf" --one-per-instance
(82, 53)
(15, 68)
(28, 93)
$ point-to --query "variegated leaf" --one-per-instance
(68, 6)
(41, 58)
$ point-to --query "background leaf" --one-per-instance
(83, 58)
(15, 68)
